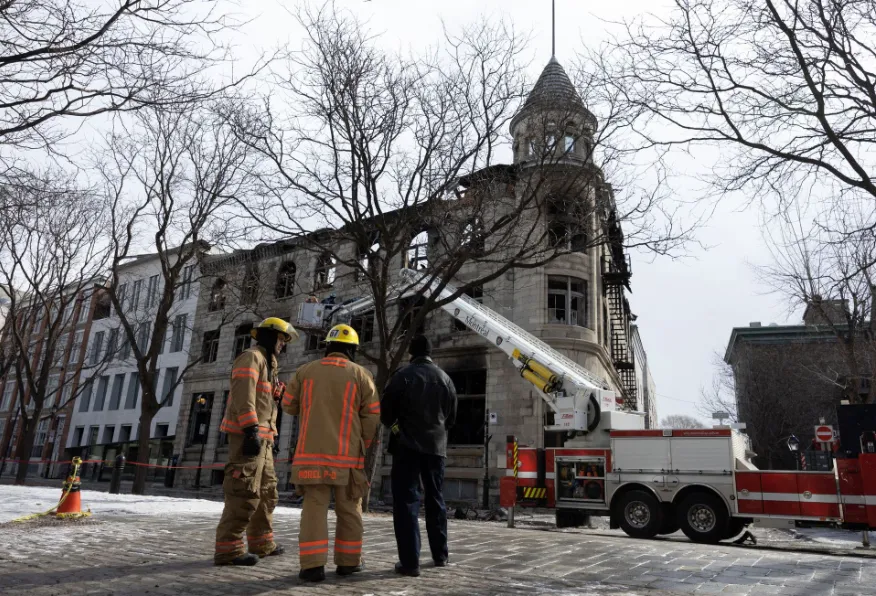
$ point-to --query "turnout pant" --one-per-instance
(250, 487)
(409, 468)
(313, 535)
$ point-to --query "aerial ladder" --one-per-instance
(580, 401)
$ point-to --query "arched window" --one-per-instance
(285, 286)
(566, 225)
(250, 291)
(570, 138)
(472, 237)
(325, 271)
(418, 252)
(367, 258)
(217, 295)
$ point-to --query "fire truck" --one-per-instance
(647, 482)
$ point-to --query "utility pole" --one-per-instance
(487, 437)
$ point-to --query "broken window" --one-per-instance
(471, 395)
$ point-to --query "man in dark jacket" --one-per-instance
(419, 405)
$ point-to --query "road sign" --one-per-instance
(824, 433)
(720, 415)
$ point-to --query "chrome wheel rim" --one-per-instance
(637, 514)
(702, 518)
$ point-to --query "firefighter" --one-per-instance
(336, 402)
(250, 421)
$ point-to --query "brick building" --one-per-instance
(64, 379)
(576, 303)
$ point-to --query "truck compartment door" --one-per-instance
(749, 492)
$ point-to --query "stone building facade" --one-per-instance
(576, 303)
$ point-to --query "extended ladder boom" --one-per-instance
(516, 342)
(568, 388)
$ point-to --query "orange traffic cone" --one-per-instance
(71, 500)
(70, 504)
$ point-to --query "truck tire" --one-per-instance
(735, 527)
(703, 518)
(639, 514)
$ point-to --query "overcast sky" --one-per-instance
(687, 307)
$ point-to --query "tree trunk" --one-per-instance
(140, 473)
(25, 446)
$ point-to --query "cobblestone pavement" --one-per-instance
(173, 555)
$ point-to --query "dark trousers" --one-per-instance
(408, 469)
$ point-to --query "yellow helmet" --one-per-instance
(278, 325)
(342, 334)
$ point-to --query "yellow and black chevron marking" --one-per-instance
(530, 492)
(516, 461)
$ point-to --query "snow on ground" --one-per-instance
(833, 537)
(17, 501)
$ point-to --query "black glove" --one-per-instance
(252, 444)
(275, 449)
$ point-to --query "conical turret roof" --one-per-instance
(553, 91)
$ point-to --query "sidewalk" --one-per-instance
(145, 545)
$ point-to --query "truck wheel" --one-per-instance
(670, 522)
(639, 514)
(703, 518)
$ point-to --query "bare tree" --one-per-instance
(785, 89)
(680, 421)
(383, 161)
(171, 176)
(52, 253)
(829, 273)
(721, 396)
(63, 59)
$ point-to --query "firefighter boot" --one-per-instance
(314, 574)
(349, 569)
(245, 560)
(279, 549)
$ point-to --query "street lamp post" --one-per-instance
(794, 447)
(202, 402)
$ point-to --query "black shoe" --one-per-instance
(314, 574)
(279, 549)
(409, 571)
(246, 560)
(349, 569)
(440, 562)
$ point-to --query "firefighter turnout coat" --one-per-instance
(251, 400)
(339, 414)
